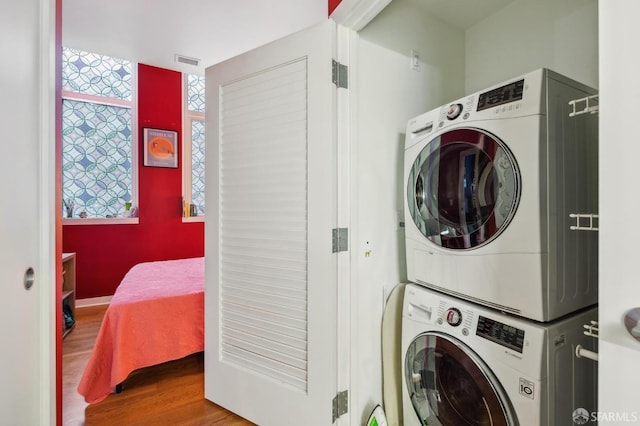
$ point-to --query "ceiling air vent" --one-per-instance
(187, 60)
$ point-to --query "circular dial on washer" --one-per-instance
(454, 317)
(454, 111)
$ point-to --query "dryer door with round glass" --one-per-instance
(463, 188)
(450, 386)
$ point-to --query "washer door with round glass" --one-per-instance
(450, 386)
(463, 188)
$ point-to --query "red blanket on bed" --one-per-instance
(156, 315)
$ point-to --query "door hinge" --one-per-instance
(340, 239)
(340, 74)
(340, 404)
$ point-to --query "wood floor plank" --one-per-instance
(168, 394)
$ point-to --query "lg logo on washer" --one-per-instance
(527, 388)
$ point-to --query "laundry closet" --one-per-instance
(411, 58)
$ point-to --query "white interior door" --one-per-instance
(27, 395)
(619, 287)
(271, 293)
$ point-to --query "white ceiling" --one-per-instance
(154, 31)
(461, 14)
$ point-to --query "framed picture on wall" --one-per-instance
(160, 148)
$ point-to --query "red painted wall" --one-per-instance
(333, 4)
(104, 253)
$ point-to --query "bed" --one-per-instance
(156, 315)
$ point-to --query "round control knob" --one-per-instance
(454, 317)
(454, 111)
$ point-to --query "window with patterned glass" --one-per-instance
(193, 146)
(98, 136)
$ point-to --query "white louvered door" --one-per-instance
(271, 327)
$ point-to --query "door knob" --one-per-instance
(632, 322)
(29, 278)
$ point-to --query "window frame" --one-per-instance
(187, 142)
(120, 103)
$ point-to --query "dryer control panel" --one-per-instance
(501, 95)
(522, 96)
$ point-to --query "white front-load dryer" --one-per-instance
(465, 364)
(491, 181)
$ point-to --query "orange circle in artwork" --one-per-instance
(161, 148)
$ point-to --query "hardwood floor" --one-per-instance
(166, 394)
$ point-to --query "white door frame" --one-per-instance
(344, 194)
(351, 17)
(50, 225)
(356, 14)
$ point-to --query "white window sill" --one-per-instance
(193, 219)
(100, 221)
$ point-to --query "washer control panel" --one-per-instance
(454, 317)
(503, 334)
(474, 325)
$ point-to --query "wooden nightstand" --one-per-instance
(68, 288)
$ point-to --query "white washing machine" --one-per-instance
(491, 181)
(465, 364)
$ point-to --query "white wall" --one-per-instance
(389, 94)
(558, 34)
(525, 35)
(401, 28)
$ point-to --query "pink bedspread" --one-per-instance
(156, 315)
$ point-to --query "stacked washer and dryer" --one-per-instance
(501, 286)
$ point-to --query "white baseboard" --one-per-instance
(93, 301)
